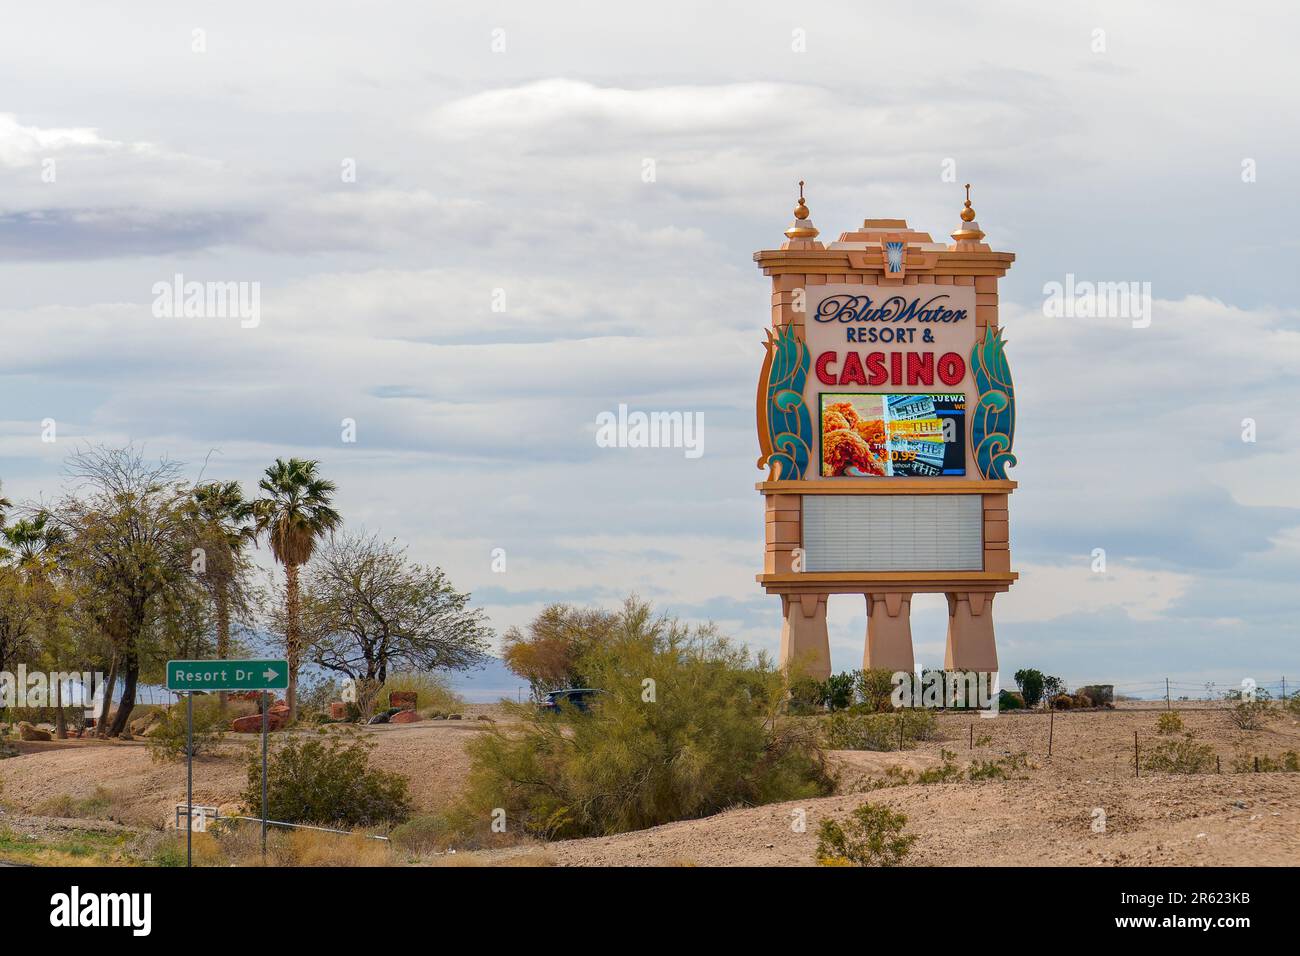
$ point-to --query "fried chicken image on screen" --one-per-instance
(872, 431)
(847, 410)
(844, 449)
(833, 421)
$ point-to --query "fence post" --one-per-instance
(1136, 764)
(1051, 724)
(972, 737)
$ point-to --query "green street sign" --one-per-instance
(227, 675)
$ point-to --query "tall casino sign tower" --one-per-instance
(885, 421)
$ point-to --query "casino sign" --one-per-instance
(885, 422)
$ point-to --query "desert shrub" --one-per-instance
(97, 805)
(1292, 705)
(845, 731)
(1251, 714)
(1030, 682)
(871, 836)
(327, 782)
(688, 726)
(875, 687)
(1287, 762)
(431, 691)
(168, 737)
(425, 833)
(1082, 700)
(1062, 702)
(947, 772)
(1010, 767)
(1170, 722)
(308, 848)
(850, 731)
(918, 724)
(1010, 700)
(892, 777)
(1101, 695)
(1185, 755)
(805, 696)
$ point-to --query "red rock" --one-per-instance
(404, 699)
(252, 724)
(405, 717)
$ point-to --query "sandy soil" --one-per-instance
(1046, 818)
(144, 792)
(1223, 819)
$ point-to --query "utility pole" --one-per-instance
(1168, 705)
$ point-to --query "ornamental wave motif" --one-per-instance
(784, 424)
(993, 423)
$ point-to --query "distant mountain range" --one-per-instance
(489, 684)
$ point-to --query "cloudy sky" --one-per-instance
(447, 213)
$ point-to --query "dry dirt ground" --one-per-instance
(1049, 817)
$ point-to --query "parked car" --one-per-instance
(578, 698)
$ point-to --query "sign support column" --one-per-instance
(189, 779)
(266, 719)
(187, 677)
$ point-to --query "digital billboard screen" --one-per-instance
(893, 435)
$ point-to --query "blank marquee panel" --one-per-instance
(893, 532)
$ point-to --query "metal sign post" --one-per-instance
(189, 780)
(188, 677)
(266, 719)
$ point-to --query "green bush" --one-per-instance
(872, 836)
(805, 696)
(875, 688)
(1030, 682)
(849, 731)
(1185, 755)
(1170, 722)
(838, 690)
(688, 725)
(1010, 700)
(327, 782)
(169, 737)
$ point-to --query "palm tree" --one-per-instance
(34, 544)
(222, 516)
(36, 547)
(295, 513)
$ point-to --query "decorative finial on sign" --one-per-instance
(969, 230)
(802, 227)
